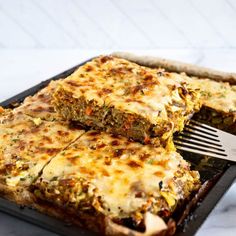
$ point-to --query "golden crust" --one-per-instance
(217, 89)
(219, 104)
(27, 144)
(107, 175)
(176, 66)
(17, 194)
(4, 112)
(124, 98)
(219, 94)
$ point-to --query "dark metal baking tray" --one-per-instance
(219, 175)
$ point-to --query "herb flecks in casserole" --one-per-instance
(219, 104)
(27, 144)
(124, 98)
(105, 174)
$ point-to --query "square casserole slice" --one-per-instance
(26, 145)
(103, 175)
(122, 97)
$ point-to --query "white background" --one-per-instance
(117, 24)
(40, 38)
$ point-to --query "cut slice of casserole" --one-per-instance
(217, 89)
(121, 97)
(102, 175)
(26, 146)
(219, 103)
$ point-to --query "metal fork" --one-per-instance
(206, 140)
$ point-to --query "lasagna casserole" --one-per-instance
(26, 146)
(121, 97)
(104, 175)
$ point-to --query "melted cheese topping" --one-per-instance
(216, 95)
(27, 144)
(39, 105)
(118, 83)
(122, 177)
(220, 96)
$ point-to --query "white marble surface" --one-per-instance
(21, 69)
(109, 23)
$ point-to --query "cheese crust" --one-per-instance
(40, 104)
(219, 103)
(104, 174)
(27, 144)
(121, 97)
(217, 89)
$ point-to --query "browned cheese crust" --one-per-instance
(110, 177)
(26, 145)
(179, 67)
(121, 97)
(217, 89)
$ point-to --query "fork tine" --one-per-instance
(184, 139)
(205, 140)
(202, 148)
(199, 136)
(198, 151)
(201, 129)
(192, 137)
(199, 124)
(199, 133)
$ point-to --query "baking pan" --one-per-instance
(217, 175)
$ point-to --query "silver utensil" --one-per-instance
(205, 140)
